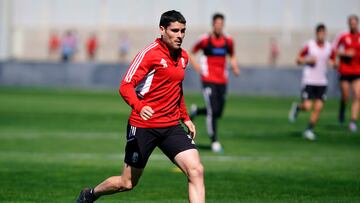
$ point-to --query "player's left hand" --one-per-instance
(190, 125)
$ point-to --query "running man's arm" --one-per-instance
(192, 55)
(136, 72)
(303, 57)
(341, 52)
(233, 61)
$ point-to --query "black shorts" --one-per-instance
(142, 141)
(313, 92)
(349, 78)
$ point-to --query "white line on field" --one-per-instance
(113, 156)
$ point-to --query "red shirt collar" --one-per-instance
(166, 50)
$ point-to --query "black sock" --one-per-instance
(201, 111)
(213, 138)
(310, 126)
(92, 193)
(342, 110)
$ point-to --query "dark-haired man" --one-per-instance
(152, 87)
(315, 57)
(347, 48)
(214, 75)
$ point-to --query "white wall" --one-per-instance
(240, 13)
(251, 22)
(5, 29)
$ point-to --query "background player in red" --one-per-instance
(152, 87)
(214, 75)
(91, 46)
(347, 49)
(315, 57)
(53, 45)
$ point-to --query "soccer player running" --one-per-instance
(214, 75)
(315, 57)
(347, 48)
(152, 87)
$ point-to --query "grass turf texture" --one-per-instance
(55, 142)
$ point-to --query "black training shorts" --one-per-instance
(349, 78)
(142, 141)
(313, 92)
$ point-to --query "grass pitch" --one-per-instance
(55, 142)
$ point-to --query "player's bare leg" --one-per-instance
(318, 105)
(296, 108)
(127, 181)
(355, 104)
(314, 117)
(345, 88)
(306, 105)
(189, 162)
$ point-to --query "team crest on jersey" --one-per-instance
(183, 62)
(164, 63)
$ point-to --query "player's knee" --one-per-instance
(196, 172)
(356, 97)
(344, 96)
(307, 107)
(127, 185)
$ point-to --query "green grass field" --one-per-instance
(55, 142)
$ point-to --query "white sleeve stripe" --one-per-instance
(137, 62)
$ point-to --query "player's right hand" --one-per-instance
(349, 53)
(190, 125)
(311, 61)
(146, 112)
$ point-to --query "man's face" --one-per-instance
(173, 35)
(321, 35)
(353, 24)
(218, 25)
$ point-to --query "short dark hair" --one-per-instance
(353, 16)
(218, 16)
(170, 17)
(320, 27)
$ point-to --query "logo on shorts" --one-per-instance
(132, 133)
(192, 141)
(135, 157)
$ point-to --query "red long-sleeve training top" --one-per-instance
(155, 79)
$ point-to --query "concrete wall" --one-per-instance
(253, 80)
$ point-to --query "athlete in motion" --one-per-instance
(347, 49)
(214, 75)
(152, 87)
(315, 57)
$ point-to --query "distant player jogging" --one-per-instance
(214, 75)
(152, 87)
(315, 57)
(347, 49)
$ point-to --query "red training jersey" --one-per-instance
(213, 63)
(348, 41)
(155, 79)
